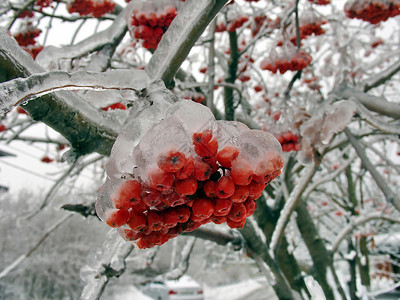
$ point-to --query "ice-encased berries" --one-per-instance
(186, 170)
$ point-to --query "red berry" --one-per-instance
(160, 180)
(128, 193)
(21, 111)
(233, 224)
(251, 206)
(255, 190)
(170, 217)
(137, 221)
(186, 187)
(225, 187)
(206, 149)
(227, 155)
(183, 213)
(237, 212)
(116, 217)
(202, 137)
(173, 161)
(202, 170)
(3, 127)
(202, 208)
(240, 195)
(155, 221)
(222, 207)
(139, 207)
(151, 197)
(173, 199)
(218, 219)
(187, 170)
(241, 172)
(210, 188)
(132, 235)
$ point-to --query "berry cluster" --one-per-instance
(372, 11)
(298, 61)
(320, 2)
(232, 25)
(27, 39)
(215, 175)
(44, 3)
(289, 141)
(149, 23)
(114, 106)
(95, 8)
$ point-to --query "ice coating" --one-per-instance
(174, 168)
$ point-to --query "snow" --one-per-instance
(130, 293)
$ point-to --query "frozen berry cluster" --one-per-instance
(210, 173)
(26, 39)
(372, 11)
(286, 62)
(114, 106)
(95, 8)
(289, 141)
(148, 21)
(233, 24)
(194, 96)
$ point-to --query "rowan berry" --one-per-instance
(170, 217)
(236, 225)
(131, 235)
(218, 219)
(116, 217)
(173, 199)
(151, 197)
(241, 172)
(137, 221)
(237, 212)
(251, 206)
(155, 221)
(172, 161)
(186, 186)
(202, 208)
(225, 187)
(240, 195)
(127, 194)
(187, 170)
(222, 207)
(202, 170)
(202, 137)
(210, 188)
(255, 190)
(206, 149)
(227, 155)
(161, 181)
(183, 213)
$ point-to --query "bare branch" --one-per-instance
(378, 79)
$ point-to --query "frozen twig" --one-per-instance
(21, 90)
(20, 259)
(358, 222)
(50, 55)
(390, 196)
(378, 79)
(103, 264)
(289, 208)
(184, 263)
(180, 37)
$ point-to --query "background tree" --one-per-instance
(322, 77)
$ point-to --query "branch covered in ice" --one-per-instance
(21, 258)
(221, 238)
(360, 221)
(103, 264)
(49, 56)
(184, 263)
(21, 90)
(180, 37)
(390, 196)
(378, 79)
(289, 207)
(374, 103)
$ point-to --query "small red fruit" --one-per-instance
(155, 221)
(202, 137)
(255, 190)
(173, 199)
(128, 193)
(218, 219)
(117, 217)
(222, 207)
(3, 127)
(233, 224)
(241, 172)
(202, 170)
(206, 149)
(227, 155)
(137, 221)
(186, 170)
(240, 195)
(202, 208)
(251, 206)
(151, 197)
(237, 212)
(186, 187)
(161, 181)
(210, 188)
(170, 217)
(183, 213)
(225, 187)
(173, 161)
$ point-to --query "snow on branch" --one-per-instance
(358, 222)
(180, 37)
(374, 103)
(21, 90)
(50, 55)
(390, 196)
(289, 207)
(378, 79)
(103, 264)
